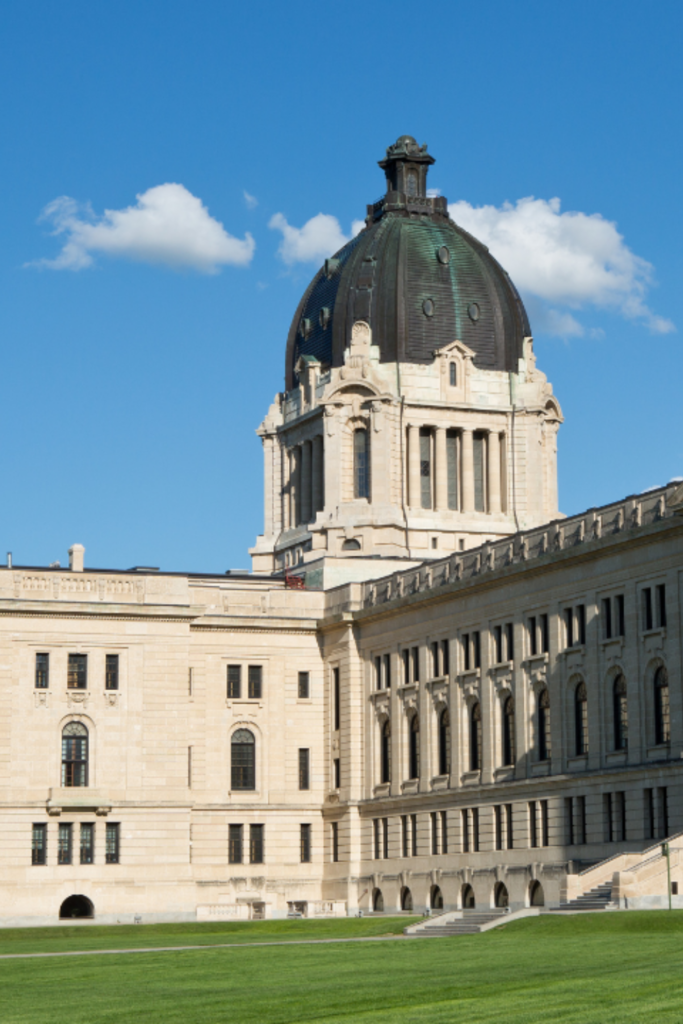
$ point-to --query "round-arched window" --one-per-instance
(243, 760)
(500, 896)
(74, 755)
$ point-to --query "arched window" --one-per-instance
(385, 752)
(76, 906)
(361, 464)
(74, 755)
(544, 746)
(377, 901)
(436, 898)
(444, 743)
(453, 370)
(468, 897)
(414, 747)
(243, 760)
(620, 706)
(500, 895)
(662, 715)
(509, 731)
(581, 719)
(536, 896)
(406, 898)
(475, 738)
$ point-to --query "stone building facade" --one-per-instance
(433, 690)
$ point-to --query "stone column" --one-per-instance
(414, 495)
(317, 475)
(306, 482)
(494, 471)
(286, 457)
(467, 471)
(441, 469)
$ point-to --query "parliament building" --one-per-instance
(433, 691)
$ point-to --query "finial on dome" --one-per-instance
(406, 165)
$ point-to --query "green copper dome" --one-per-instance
(417, 278)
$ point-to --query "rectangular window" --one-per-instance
(479, 454)
(434, 826)
(385, 838)
(445, 658)
(112, 842)
(648, 621)
(660, 591)
(405, 845)
(498, 643)
(476, 646)
(608, 817)
(508, 823)
(304, 768)
(545, 833)
(42, 671)
(337, 698)
(465, 819)
(304, 686)
(444, 831)
(569, 625)
(255, 682)
(413, 831)
(305, 844)
(335, 841)
(545, 634)
(649, 814)
(405, 656)
(425, 467)
(475, 829)
(662, 812)
(509, 642)
(387, 671)
(606, 618)
(87, 843)
(466, 651)
(619, 624)
(452, 468)
(416, 664)
(434, 647)
(619, 817)
(235, 844)
(498, 820)
(581, 623)
(256, 851)
(77, 676)
(65, 843)
(375, 838)
(580, 829)
(569, 819)
(234, 682)
(39, 844)
(533, 638)
(111, 672)
(378, 673)
(336, 770)
(533, 824)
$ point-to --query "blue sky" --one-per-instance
(136, 370)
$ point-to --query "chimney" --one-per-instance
(76, 553)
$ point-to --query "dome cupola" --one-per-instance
(418, 279)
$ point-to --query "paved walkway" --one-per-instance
(218, 945)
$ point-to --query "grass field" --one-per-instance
(607, 968)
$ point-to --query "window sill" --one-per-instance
(614, 642)
(440, 782)
(381, 790)
(536, 660)
(504, 774)
(616, 756)
(578, 763)
(659, 631)
(238, 702)
(471, 778)
(410, 786)
(540, 768)
(660, 752)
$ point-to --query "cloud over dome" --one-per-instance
(570, 260)
(320, 237)
(168, 225)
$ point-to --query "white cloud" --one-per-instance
(320, 237)
(566, 259)
(251, 201)
(167, 225)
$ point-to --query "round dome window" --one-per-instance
(473, 311)
(443, 254)
(428, 307)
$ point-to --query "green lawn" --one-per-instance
(607, 968)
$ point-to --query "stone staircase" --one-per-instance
(460, 922)
(597, 898)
